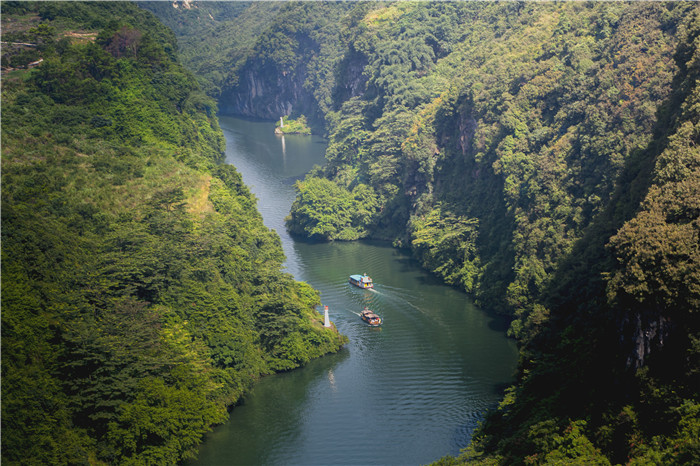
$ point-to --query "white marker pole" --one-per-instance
(326, 320)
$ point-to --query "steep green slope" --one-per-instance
(215, 37)
(542, 157)
(141, 292)
(521, 127)
(289, 70)
(611, 372)
(267, 60)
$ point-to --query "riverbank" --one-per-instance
(420, 383)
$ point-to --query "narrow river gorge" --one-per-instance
(406, 393)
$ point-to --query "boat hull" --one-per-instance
(370, 318)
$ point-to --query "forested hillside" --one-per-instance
(269, 60)
(141, 292)
(210, 47)
(541, 156)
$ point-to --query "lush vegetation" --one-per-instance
(141, 293)
(209, 45)
(541, 156)
(332, 211)
(266, 60)
(293, 126)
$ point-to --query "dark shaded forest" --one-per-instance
(141, 293)
(543, 157)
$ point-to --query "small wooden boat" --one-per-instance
(370, 317)
(363, 281)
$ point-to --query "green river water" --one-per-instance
(406, 393)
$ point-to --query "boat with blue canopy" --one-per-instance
(362, 281)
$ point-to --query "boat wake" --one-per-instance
(397, 298)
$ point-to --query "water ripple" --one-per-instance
(408, 392)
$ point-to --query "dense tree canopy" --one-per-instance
(541, 156)
(141, 292)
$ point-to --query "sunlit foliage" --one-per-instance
(141, 293)
(540, 155)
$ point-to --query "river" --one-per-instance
(406, 393)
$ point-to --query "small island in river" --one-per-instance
(288, 125)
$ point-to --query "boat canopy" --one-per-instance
(361, 278)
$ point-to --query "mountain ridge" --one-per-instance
(523, 152)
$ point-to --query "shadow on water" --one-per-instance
(293, 179)
(498, 322)
(266, 416)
